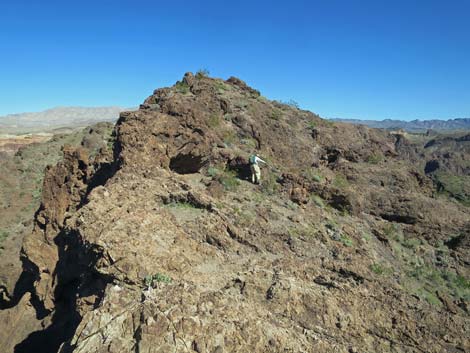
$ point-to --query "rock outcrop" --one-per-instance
(165, 246)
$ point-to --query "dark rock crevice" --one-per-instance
(186, 163)
(76, 281)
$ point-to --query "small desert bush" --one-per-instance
(378, 269)
(374, 158)
(221, 86)
(317, 200)
(340, 181)
(182, 87)
(202, 73)
(214, 121)
(3, 235)
(269, 185)
(347, 241)
(275, 114)
(229, 180)
(229, 137)
(153, 280)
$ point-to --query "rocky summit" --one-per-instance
(357, 239)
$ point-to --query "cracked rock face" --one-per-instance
(164, 246)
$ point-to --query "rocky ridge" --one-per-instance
(164, 246)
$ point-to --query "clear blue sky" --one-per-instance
(367, 59)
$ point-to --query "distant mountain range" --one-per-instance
(56, 118)
(414, 125)
(72, 117)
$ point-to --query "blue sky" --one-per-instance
(367, 59)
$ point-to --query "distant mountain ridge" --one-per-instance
(58, 117)
(414, 125)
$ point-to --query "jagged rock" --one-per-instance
(167, 247)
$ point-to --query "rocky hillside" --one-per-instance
(165, 246)
(21, 183)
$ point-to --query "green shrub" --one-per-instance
(346, 240)
(455, 186)
(378, 269)
(411, 243)
(302, 232)
(214, 121)
(249, 142)
(229, 137)
(331, 224)
(182, 87)
(291, 103)
(461, 282)
(427, 295)
(275, 114)
(312, 124)
(291, 205)
(221, 86)
(340, 181)
(37, 193)
(317, 178)
(245, 218)
(374, 158)
(202, 73)
(153, 280)
(390, 230)
(3, 235)
(311, 174)
(213, 171)
(229, 180)
(366, 236)
(317, 200)
(269, 185)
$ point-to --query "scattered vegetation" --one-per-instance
(374, 158)
(340, 181)
(3, 235)
(411, 243)
(269, 184)
(243, 218)
(181, 205)
(202, 73)
(378, 269)
(275, 114)
(214, 121)
(347, 241)
(430, 279)
(303, 232)
(182, 87)
(291, 205)
(154, 280)
(366, 236)
(229, 138)
(455, 186)
(391, 230)
(291, 103)
(312, 174)
(221, 86)
(228, 178)
(317, 200)
(251, 143)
